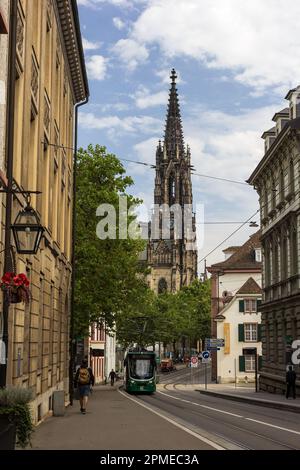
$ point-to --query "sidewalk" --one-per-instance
(247, 394)
(112, 422)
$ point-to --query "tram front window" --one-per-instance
(141, 368)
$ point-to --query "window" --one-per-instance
(250, 330)
(250, 305)
(250, 363)
(162, 286)
(258, 255)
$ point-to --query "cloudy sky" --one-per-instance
(235, 60)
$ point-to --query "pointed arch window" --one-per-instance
(162, 285)
(172, 189)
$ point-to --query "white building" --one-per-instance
(239, 323)
(236, 300)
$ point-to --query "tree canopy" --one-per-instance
(106, 270)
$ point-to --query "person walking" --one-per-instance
(112, 376)
(291, 382)
(84, 379)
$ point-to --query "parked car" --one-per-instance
(167, 365)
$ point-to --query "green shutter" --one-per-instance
(259, 332)
(241, 306)
(241, 332)
(259, 362)
(258, 307)
(242, 363)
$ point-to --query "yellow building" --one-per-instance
(50, 81)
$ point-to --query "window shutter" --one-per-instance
(242, 363)
(259, 362)
(241, 305)
(259, 332)
(241, 332)
(258, 305)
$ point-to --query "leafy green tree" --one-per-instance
(106, 271)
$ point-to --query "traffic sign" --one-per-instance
(194, 361)
(205, 355)
(215, 342)
(212, 348)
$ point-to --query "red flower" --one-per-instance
(17, 281)
(7, 278)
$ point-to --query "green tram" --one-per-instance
(140, 372)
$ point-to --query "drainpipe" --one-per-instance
(72, 343)
(10, 121)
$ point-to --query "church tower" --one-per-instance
(172, 252)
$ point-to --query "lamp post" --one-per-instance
(27, 231)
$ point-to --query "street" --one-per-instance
(176, 416)
(235, 425)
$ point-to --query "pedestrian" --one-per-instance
(84, 379)
(112, 376)
(291, 382)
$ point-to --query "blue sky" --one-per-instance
(234, 70)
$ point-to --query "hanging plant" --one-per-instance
(16, 287)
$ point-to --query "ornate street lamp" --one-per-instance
(27, 231)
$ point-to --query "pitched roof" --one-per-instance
(250, 287)
(244, 257)
(284, 112)
(231, 248)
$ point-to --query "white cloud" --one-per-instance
(257, 41)
(96, 67)
(130, 53)
(128, 124)
(89, 45)
(118, 23)
(144, 99)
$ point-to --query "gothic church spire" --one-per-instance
(173, 140)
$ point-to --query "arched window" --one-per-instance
(172, 189)
(162, 285)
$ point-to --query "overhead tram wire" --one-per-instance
(226, 180)
(248, 220)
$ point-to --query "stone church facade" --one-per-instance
(171, 251)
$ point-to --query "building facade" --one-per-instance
(4, 20)
(276, 179)
(235, 311)
(50, 80)
(102, 352)
(172, 252)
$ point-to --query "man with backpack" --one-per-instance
(84, 378)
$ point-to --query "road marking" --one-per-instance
(202, 406)
(273, 426)
(192, 433)
(232, 414)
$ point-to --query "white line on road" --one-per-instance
(231, 414)
(273, 426)
(202, 406)
(194, 434)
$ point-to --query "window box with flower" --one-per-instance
(16, 287)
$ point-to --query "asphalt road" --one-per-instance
(186, 375)
(232, 425)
